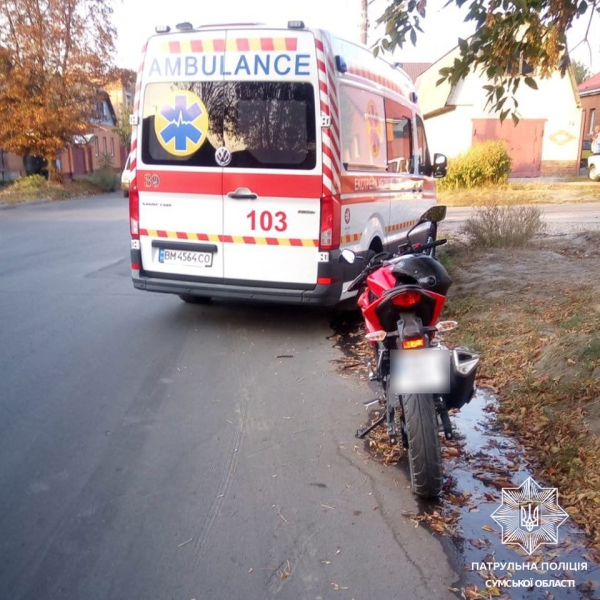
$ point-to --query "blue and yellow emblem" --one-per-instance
(181, 124)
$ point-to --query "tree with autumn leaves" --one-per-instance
(507, 34)
(54, 57)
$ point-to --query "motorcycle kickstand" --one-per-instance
(447, 425)
(362, 433)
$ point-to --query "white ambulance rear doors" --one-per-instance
(229, 176)
(272, 181)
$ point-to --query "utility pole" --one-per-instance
(364, 21)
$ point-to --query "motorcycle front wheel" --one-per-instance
(424, 453)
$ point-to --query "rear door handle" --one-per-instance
(242, 194)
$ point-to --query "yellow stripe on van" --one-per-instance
(254, 44)
(279, 44)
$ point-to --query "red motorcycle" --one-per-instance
(422, 380)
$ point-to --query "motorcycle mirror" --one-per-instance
(435, 214)
(348, 256)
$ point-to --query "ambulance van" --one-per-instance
(259, 153)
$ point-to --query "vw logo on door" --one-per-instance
(223, 156)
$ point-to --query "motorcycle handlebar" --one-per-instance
(422, 247)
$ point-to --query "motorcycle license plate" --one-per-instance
(184, 258)
(423, 371)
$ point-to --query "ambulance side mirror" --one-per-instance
(440, 165)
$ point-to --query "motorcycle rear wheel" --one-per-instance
(424, 454)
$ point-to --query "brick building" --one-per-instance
(86, 153)
(589, 92)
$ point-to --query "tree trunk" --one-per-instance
(364, 21)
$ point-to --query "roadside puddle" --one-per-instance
(479, 463)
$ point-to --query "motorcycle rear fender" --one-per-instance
(409, 327)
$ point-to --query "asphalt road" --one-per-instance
(559, 218)
(151, 449)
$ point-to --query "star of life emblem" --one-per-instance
(529, 516)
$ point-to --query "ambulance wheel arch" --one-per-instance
(374, 234)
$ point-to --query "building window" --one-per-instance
(112, 146)
(96, 145)
(518, 68)
(592, 120)
(104, 144)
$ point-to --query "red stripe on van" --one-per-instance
(174, 47)
(335, 146)
(182, 182)
(243, 45)
(291, 44)
(327, 151)
(197, 46)
(267, 44)
(219, 45)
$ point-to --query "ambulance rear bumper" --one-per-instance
(322, 294)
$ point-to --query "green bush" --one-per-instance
(503, 226)
(105, 177)
(30, 183)
(483, 164)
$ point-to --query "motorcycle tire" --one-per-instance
(424, 453)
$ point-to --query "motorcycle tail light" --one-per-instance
(414, 343)
(407, 299)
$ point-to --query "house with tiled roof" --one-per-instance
(414, 69)
(589, 92)
(545, 142)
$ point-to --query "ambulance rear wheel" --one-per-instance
(191, 299)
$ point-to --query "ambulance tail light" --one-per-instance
(134, 210)
(329, 238)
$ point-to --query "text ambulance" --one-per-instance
(258, 153)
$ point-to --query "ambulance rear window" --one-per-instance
(264, 125)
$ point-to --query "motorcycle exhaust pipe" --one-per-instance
(464, 361)
(463, 369)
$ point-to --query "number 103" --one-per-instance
(267, 220)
